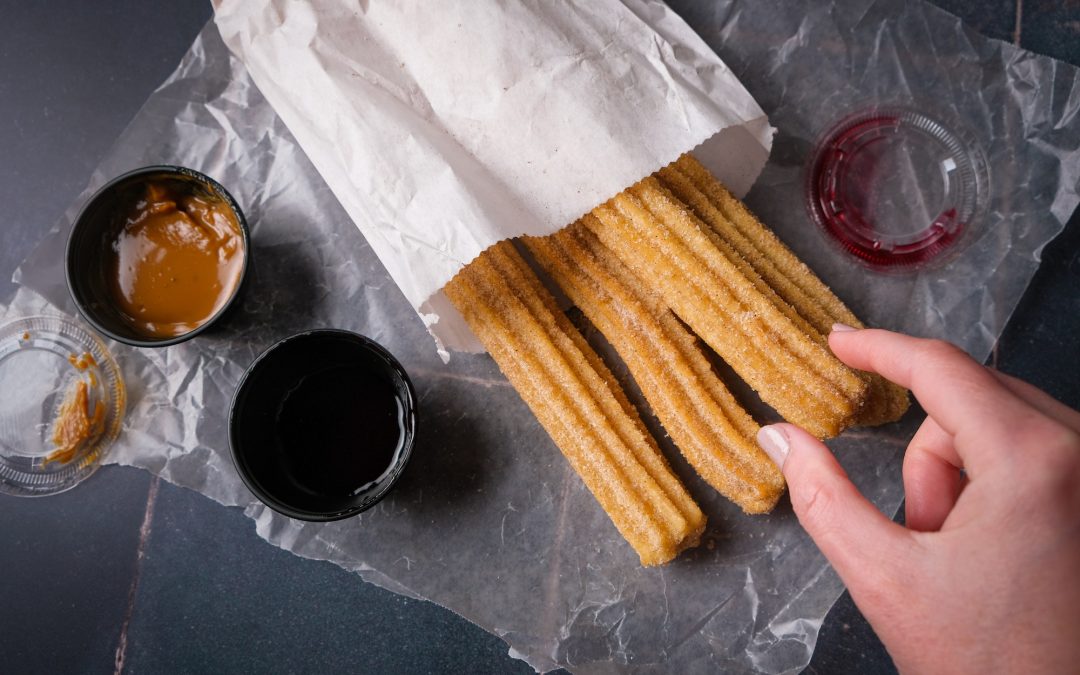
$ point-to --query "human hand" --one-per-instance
(986, 575)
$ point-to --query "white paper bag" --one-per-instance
(444, 128)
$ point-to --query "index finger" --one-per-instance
(960, 394)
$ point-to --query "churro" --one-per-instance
(724, 301)
(710, 428)
(808, 296)
(578, 402)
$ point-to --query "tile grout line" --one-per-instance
(144, 535)
(1018, 27)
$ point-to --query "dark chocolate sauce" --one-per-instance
(340, 430)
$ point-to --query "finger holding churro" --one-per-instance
(729, 307)
(796, 284)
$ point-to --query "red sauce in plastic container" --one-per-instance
(896, 189)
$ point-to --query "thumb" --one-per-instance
(867, 549)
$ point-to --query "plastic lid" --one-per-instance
(896, 188)
(54, 373)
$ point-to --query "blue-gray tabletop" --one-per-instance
(129, 573)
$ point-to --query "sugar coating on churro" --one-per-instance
(794, 282)
(578, 402)
(729, 307)
(710, 428)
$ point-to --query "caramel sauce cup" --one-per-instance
(89, 250)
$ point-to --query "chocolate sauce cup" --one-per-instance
(89, 249)
(322, 425)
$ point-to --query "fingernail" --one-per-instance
(774, 442)
(842, 328)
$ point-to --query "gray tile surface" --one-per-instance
(66, 568)
(1039, 327)
(213, 597)
(72, 75)
(1052, 27)
(993, 18)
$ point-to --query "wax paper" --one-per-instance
(488, 520)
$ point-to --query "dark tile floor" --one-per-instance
(1051, 27)
(244, 608)
(140, 576)
(992, 18)
(72, 74)
(65, 595)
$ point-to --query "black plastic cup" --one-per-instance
(93, 232)
(310, 427)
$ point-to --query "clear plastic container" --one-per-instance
(53, 373)
(896, 188)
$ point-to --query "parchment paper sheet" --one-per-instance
(444, 131)
(488, 519)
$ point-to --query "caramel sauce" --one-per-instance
(82, 361)
(74, 424)
(176, 261)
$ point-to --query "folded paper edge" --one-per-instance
(737, 170)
